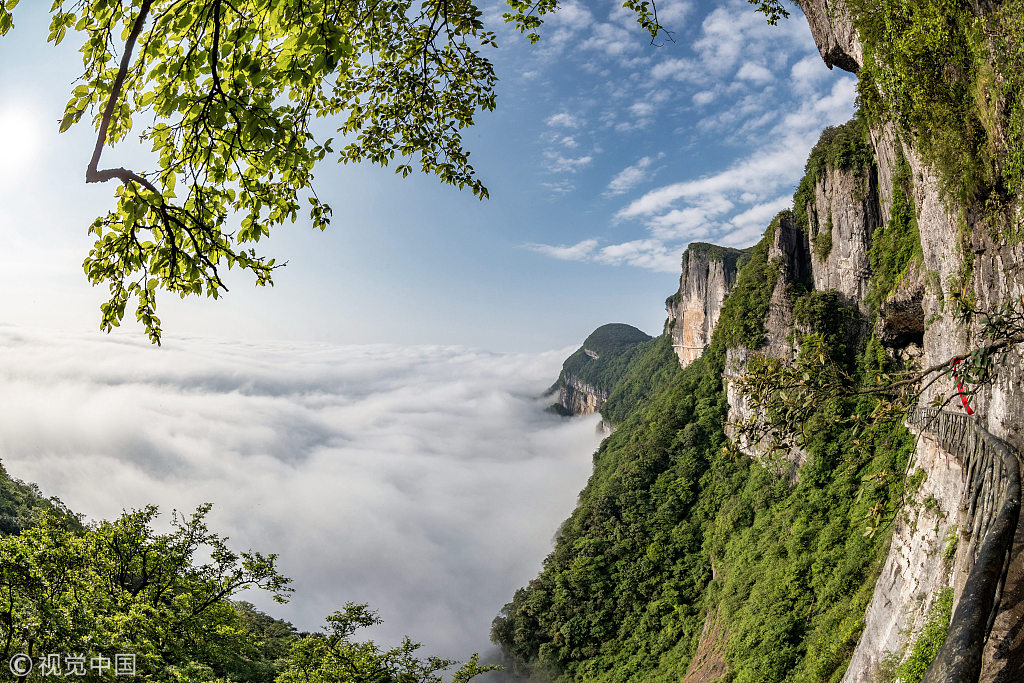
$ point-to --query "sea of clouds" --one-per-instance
(426, 481)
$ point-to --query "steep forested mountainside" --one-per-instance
(710, 543)
(22, 505)
(593, 369)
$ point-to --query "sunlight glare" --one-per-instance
(20, 138)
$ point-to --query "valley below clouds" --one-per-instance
(426, 481)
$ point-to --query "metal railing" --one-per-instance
(991, 507)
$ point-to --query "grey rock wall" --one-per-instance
(915, 570)
(579, 398)
(845, 211)
(834, 33)
(707, 278)
(789, 250)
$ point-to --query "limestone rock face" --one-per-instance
(834, 33)
(709, 273)
(843, 216)
(789, 251)
(919, 315)
(579, 398)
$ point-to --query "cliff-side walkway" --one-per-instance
(990, 510)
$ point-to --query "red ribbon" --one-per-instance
(960, 388)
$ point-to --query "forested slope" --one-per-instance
(760, 549)
(676, 524)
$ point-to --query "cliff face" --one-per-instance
(834, 33)
(709, 273)
(850, 206)
(842, 217)
(789, 257)
(593, 369)
(869, 255)
(578, 397)
(918, 316)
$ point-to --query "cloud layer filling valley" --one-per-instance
(426, 481)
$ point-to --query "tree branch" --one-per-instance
(92, 175)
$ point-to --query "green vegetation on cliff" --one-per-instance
(604, 356)
(23, 506)
(895, 246)
(953, 80)
(745, 309)
(843, 148)
(675, 525)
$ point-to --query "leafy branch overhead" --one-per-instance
(230, 91)
(226, 93)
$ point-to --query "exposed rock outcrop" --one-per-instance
(789, 253)
(589, 373)
(709, 273)
(708, 663)
(843, 216)
(833, 31)
(578, 397)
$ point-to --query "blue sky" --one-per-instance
(605, 157)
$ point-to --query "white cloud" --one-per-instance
(733, 34)
(629, 177)
(613, 40)
(704, 97)
(754, 87)
(427, 481)
(678, 68)
(559, 187)
(556, 163)
(755, 73)
(672, 13)
(767, 168)
(808, 72)
(693, 221)
(650, 254)
(571, 15)
(732, 207)
(746, 226)
(564, 120)
(580, 251)
(641, 109)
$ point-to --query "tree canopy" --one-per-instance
(227, 93)
(118, 598)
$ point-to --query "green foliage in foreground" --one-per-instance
(333, 656)
(121, 588)
(624, 594)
